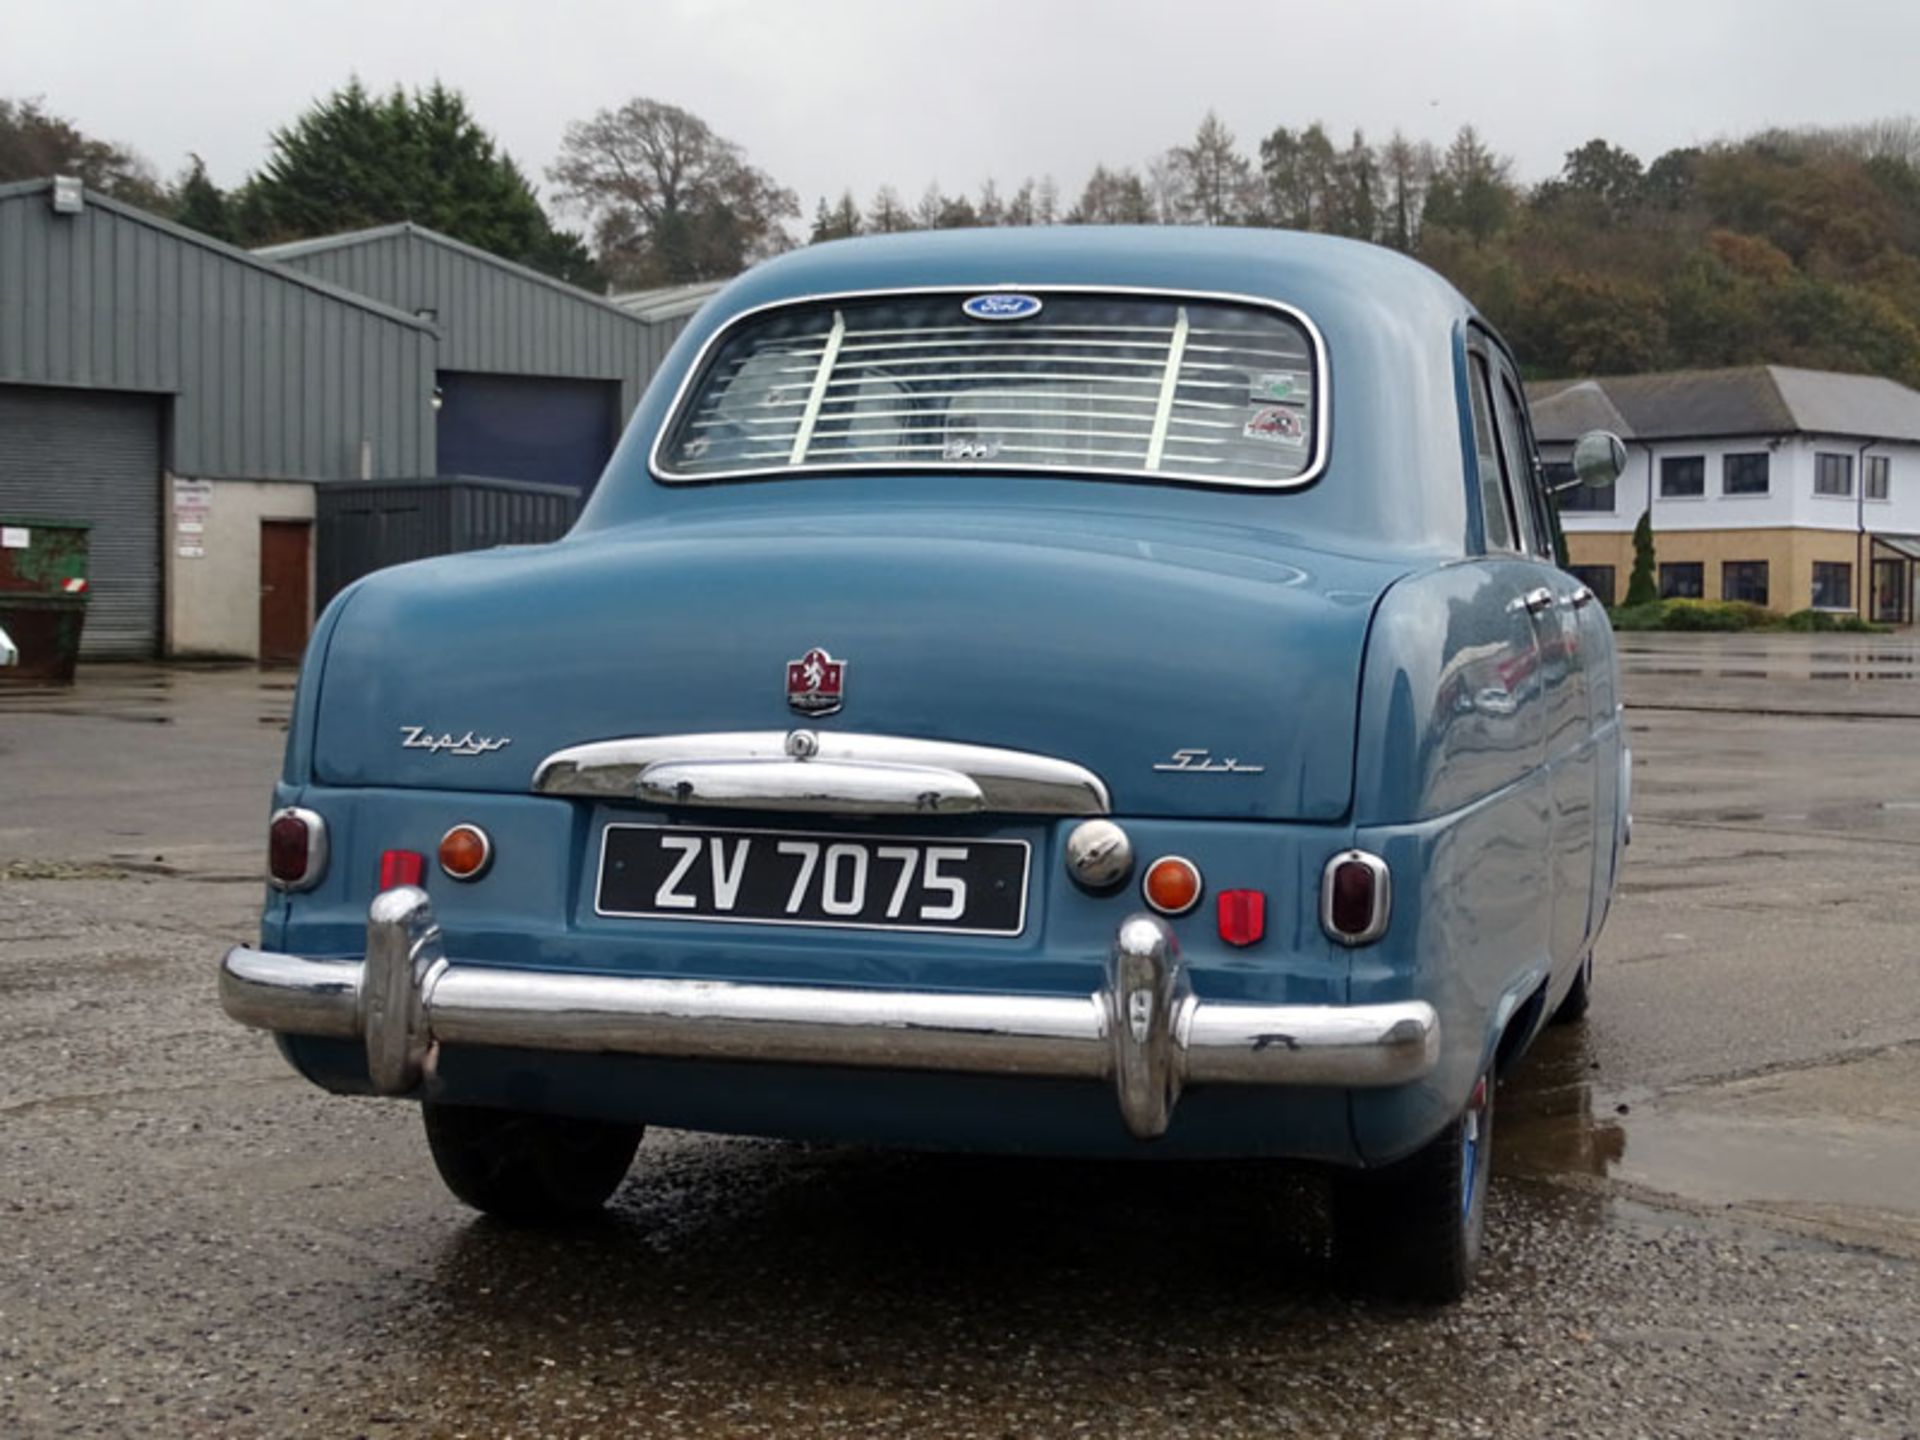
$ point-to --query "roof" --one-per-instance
(1745, 400)
(220, 247)
(349, 239)
(1390, 326)
(669, 302)
(1310, 270)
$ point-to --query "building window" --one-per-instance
(1832, 474)
(1876, 476)
(1683, 580)
(1744, 580)
(1832, 584)
(1598, 579)
(1744, 474)
(1683, 475)
(1577, 499)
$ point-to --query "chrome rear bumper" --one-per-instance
(1144, 1031)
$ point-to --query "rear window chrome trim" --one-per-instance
(1322, 409)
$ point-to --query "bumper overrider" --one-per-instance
(1144, 1030)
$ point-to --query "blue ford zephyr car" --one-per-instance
(1095, 692)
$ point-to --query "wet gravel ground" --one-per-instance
(193, 1242)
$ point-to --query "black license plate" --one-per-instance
(777, 877)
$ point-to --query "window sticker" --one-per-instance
(1267, 385)
(1275, 426)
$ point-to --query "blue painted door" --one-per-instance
(527, 427)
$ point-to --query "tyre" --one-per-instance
(529, 1169)
(1579, 999)
(1412, 1230)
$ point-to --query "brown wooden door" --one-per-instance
(284, 590)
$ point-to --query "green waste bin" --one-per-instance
(42, 557)
(43, 596)
(45, 629)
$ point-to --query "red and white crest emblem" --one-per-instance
(816, 683)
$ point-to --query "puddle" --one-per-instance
(1553, 1121)
(1835, 1147)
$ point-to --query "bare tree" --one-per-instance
(35, 143)
(991, 210)
(669, 201)
(1406, 169)
(1113, 197)
(886, 213)
(1046, 202)
(1213, 183)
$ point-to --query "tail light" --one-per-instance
(296, 849)
(1172, 885)
(465, 852)
(401, 867)
(1356, 897)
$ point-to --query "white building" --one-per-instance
(1765, 483)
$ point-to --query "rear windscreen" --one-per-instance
(1148, 386)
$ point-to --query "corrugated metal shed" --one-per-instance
(366, 527)
(275, 374)
(669, 302)
(493, 315)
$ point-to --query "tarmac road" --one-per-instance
(1705, 1217)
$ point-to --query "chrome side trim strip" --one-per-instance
(1143, 1031)
(822, 771)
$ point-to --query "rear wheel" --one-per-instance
(528, 1169)
(1412, 1230)
(1579, 999)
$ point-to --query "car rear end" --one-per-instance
(982, 783)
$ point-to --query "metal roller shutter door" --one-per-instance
(93, 455)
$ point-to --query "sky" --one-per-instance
(833, 94)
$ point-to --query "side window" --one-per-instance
(1493, 490)
(1528, 503)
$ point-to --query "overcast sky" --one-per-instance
(825, 94)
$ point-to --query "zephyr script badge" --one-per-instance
(816, 683)
(420, 738)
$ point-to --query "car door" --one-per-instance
(1502, 697)
(1553, 600)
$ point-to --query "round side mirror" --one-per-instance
(1599, 458)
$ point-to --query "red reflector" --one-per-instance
(1243, 916)
(1352, 908)
(287, 849)
(401, 867)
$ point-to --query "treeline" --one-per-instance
(1799, 247)
(352, 161)
(1796, 247)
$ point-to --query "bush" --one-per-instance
(1638, 617)
(1695, 615)
(1821, 621)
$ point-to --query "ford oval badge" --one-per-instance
(1002, 307)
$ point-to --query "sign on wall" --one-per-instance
(192, 504)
